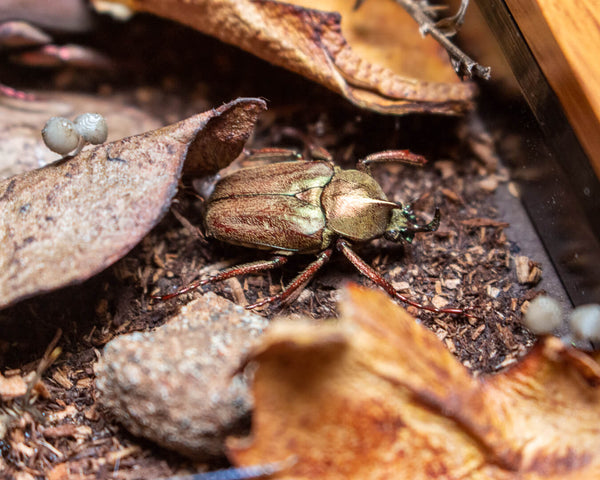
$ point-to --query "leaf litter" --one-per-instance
(376, 395)
(116, 301)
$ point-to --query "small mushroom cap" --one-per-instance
(92, 127)
(60, 136)
(543, 315)
(585, 322)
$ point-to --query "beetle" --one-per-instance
(309, 207)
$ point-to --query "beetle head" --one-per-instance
(403, 226)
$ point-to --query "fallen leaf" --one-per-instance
(374, 56)
(62, 15)
(376, 395)
(21, 145)
(65, 222)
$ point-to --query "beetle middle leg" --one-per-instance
(298, 283)
(369, 272)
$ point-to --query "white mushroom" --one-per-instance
(585, 322)
(92, 127)
(543, 315)
(60, 136)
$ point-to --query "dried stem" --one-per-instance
(424, 14)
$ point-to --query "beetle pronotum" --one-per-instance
(309, 207)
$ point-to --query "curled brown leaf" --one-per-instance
(379, 396)
(375, 57)
(65, 222)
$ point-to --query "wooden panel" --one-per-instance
(564, 36)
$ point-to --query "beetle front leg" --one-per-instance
(299, 282)
(244, 269)
(369, 272)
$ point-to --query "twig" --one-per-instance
(442, 31)
(50, 355)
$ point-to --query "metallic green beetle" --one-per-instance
(309, 207)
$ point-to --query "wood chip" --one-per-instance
(528, 271)
(12, 387)
(64, 430)
(60, 377)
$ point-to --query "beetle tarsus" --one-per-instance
(263, 302)
(181, 291)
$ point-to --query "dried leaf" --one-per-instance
(222, 139)
(21, 145)
(375, 56)
(379, 396)
(62, 15)
(65, 222)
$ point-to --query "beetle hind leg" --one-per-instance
(243, 269)
(297, 285)
(369, 272)
(391, 156)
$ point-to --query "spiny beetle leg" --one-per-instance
(298, 283)
(391, 156)
(369, 272)
(243, 269)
